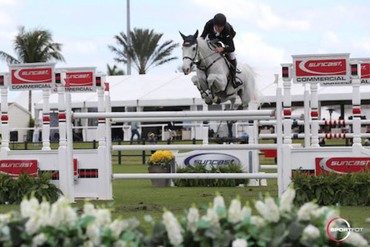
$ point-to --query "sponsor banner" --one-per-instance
(16, 167)
(341, 165)
(328, 70)
(364, 69)
(31, 76)
(213, 158)
(79, 79)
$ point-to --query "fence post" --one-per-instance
(143, 153)
(119, 155)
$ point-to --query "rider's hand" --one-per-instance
(219, 49)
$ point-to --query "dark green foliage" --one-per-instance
(13, 190)
(232, 168)
(350, 189)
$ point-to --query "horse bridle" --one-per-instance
(197, 63)
(195, 55)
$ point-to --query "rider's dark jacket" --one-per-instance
(226, 36)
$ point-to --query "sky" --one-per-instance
(268, 31)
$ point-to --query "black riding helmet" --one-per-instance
(219, 19)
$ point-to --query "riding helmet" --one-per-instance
(219, 19)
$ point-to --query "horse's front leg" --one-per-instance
(202, 86)
(216, 83)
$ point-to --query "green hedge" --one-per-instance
(350, 189)
(13, 190)
(232, 168)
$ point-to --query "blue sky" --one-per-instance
(268, 31)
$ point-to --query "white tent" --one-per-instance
(177, 89)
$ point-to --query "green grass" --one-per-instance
(137, 198)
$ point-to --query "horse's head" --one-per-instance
(189, 51)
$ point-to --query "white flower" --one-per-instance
(310, 233)
(117, 227)
(356, 239)
(262, 209)
(268, 210)
(246, 211)
(212, 217)
(173, 228)
(121, 243)
(39, 239)
(239, 243)
(286, 200)
(258, 221)
(305, 212)
(235, 211)
(193, 218)
(93, 233)
(218, 201)
(273, 209)
(44, 213)
(103, 217)
(89, 209)
(4, 219)
(33, 224)
(332, 213)
(88, 244)
(28, 208)
(62, 213)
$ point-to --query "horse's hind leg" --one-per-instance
(244, 99)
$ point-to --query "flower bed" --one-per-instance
(278, 223)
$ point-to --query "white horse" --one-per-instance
(213, 74)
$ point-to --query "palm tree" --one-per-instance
(31, 47)
(145, 50)
(114, 70)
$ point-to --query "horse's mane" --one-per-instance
(203, 46)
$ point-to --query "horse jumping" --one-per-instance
(212, 73)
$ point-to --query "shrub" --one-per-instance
(13, 190)
(350, 189)
(231, 168)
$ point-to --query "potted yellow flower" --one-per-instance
(162, 161)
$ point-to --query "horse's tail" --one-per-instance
(255, 95)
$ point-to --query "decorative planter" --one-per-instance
(161, 182)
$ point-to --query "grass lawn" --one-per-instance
(138, 197)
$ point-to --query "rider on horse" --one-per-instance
(218, 28)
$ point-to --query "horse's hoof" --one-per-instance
(218, 101)
(208, 102)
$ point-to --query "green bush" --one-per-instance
(13, 190)
(350, 189)
(232, 168)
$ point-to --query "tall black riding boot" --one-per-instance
(236, 83)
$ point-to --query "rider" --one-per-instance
(218, 28)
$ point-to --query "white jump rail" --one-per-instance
(196, 147)
(195, 175)
(183, 115)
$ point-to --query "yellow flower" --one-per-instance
(161, 155)
(161, 158)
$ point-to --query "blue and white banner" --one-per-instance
(213, 158)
